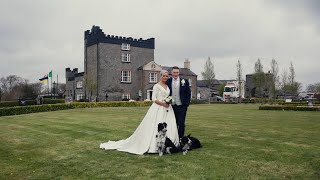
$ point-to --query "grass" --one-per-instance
(239, 142)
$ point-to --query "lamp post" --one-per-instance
(54, 89)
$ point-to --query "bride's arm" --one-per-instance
(155, 92)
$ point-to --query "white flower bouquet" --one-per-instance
(168, 100)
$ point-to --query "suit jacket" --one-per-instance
(185, 92)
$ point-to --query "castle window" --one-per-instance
(126, 96)
(125, 57)
(80, 96)
(153, 77)
(125, 76)
(79, 84)
(190, 82)
(125, 47)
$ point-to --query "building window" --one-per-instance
(153, 77)
(79, 84)
(126, 96)
(79, 97)
(125, 46)
(153, 66)
(125, 76)
(190, 82)
(125, 57)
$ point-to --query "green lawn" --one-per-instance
(239, 142)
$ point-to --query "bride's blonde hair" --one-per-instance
(162, 72)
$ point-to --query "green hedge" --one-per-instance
(9, 104)
(52, 101)
(289, 108)
(298, 104)
(8, 111)
(262, 100)
(30, 102)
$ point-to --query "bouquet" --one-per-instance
(168, 100)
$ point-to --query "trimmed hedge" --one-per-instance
(30, 102)
(53, 101)
(289, 108)
(9, 111)
(262, 100)
(298, 104)
(9, 104)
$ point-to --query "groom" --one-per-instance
(181, 94)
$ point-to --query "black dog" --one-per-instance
(164, 144)
(187, 143)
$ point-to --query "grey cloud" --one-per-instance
(42, 35)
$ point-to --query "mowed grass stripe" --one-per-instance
(239, 142)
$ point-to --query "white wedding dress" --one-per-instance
(143, 140)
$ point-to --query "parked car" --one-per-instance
(219, 98)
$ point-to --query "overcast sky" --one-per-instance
(37, 36)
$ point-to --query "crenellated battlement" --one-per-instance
(96, 35)
(71, 74)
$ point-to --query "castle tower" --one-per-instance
(111, 64)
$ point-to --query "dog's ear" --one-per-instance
(160, 127)
(165, 125)
(189, 135)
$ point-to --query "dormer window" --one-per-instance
(125, 46)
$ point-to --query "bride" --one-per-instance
(143, 140)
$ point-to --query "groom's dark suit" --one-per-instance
(180, 111)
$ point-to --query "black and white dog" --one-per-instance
(164, 144)
(187, 143)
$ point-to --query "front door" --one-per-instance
(149, 94)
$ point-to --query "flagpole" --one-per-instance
(57, 89)
(51, 83)
(48, 83)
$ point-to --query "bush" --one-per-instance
(9, 104)
(52, 101)
(199, 101)
(262, 100)
(29, 102)
(289, 108)
(8, 111)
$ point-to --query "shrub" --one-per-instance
(8, 111)
(199, 101)
(52, 101)
(288, 108)
(262, 100)
(9, 104)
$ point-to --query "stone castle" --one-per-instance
(118, 68)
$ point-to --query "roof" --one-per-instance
(203, 83)
(183, 71)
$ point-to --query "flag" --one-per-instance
(44, 79)
(50, 73)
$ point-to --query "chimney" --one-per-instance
(187, 64)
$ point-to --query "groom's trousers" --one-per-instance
(180, 114)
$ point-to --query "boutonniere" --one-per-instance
(183, 82)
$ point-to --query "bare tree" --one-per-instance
(259, 77)
(292, 74)
(239, 77)
(314, 87)
(14, 87)
(208, 74)
(284, 82)
(10, 87)
(275, 77)
(294, 86)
